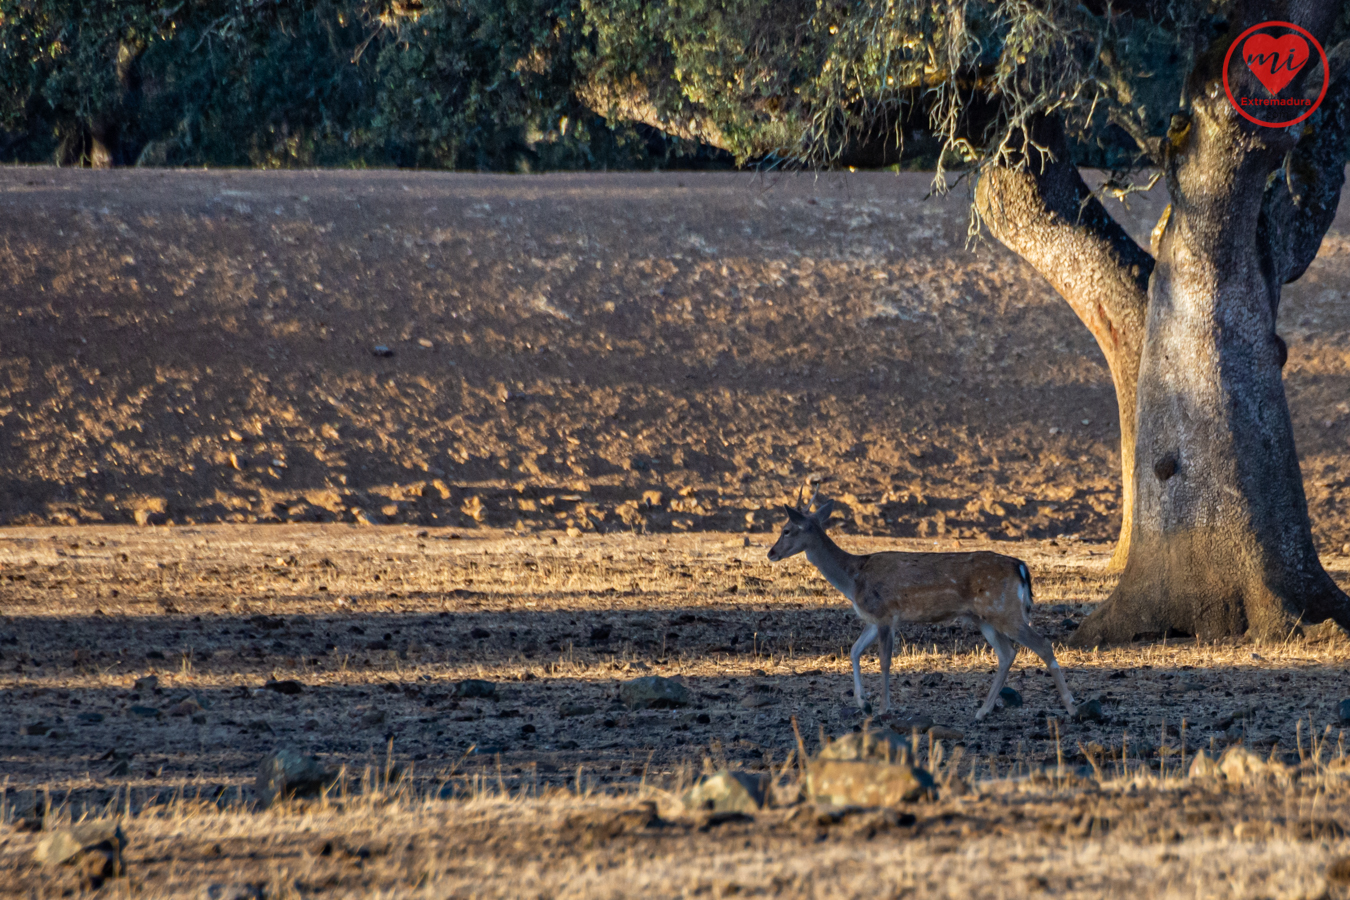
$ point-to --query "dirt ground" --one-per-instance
(602, 352)
(534, 430)
(379, 624)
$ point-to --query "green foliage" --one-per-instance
(817, 80)
(272, 83)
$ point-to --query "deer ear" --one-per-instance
(794, 515)
(822, 514)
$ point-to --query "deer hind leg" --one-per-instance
(1041, 647)
(886, 638)
(863, 642)
(1006, 652)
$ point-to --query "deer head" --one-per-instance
(803, 527)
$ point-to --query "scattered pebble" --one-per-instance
(653, 692)
(1011, 697)
(475, 687)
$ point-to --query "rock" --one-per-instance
(479, 634)
(1090, 711)
(94, 846)
(36, 729)
(568, 710)
(943, 733)
(1203, 766)
(90, 718)
(756, 700)
(1343, 710)
(188, 707)
(148, 683)
(1242, 766)
(1011, 697)
(382, 351)
(145, 712)
(867, 783)
(653, 692)
(287, 772)
(476, 687)
(728, 791)
(373, 718)
(289, 687)
(883, 745)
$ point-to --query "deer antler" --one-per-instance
(814, 494)
(799, 497)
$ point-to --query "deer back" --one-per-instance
(934, 587)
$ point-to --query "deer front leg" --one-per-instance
(865, 641)
(886, 636)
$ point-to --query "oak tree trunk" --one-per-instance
(1221, 542)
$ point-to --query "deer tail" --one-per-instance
(1024, 589)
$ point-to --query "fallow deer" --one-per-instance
(990, 590)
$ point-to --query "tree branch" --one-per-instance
(1047, 215)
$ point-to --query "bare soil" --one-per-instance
(602, 352)
(577, 481)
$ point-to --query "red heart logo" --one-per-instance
(1275, 61)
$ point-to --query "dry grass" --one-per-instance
(529, 817)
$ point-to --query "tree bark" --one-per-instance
(1221, 543)
(1046, 214)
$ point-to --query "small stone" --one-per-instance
(90, 718)
(145, 712)
(1011, 697)
(287, 772)
(35, 729)
(867, 783)
(1240, 765)
(476, 687)
(94, 846)
(756, 700)
(186, 707)
(726, 791)
(426, 343)
(479, 634)
(883, 745)
(653, 692)
(373, 718)
(148, 683)
(568, 710)
(382, 351)
(289, 687)
(1090, 711)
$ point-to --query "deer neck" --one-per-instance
(838, 566)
